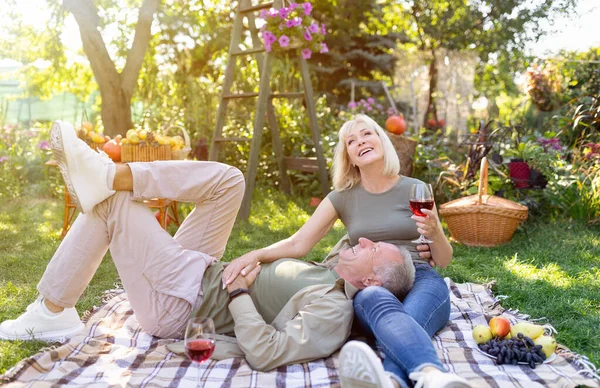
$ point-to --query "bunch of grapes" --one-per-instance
(514, 350)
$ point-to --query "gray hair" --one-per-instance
(397, 277)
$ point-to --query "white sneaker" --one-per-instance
(36, 324)
(84, 170)
(359, 367)
(438, 379)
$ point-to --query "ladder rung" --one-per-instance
(257, 7)
(248, 51)
(239, 95)
(238, 139)
(287, 95)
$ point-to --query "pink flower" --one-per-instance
(352, 105)
(379, 106)
(43, 145)
(267, 47)
(3, 159)
(273, 12)
(290, 23)
(284, 12)
(313, 28)
(370, 100)
(306, 53)
(324, 48)
(293, 6)
(284, 41)
(323, 30)
(269, 38)
(307, 35)
(297, 22)
(307, 8)
(263, 14)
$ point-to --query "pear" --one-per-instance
(97, 138)
(133, 138)
(548, 344)
(527, 329)
(482, 334)
(143, 134)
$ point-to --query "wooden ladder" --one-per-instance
(264, 107)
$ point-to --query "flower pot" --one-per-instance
(519, 173)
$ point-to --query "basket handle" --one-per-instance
(483, 180)
(186, 137)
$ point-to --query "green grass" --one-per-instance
(553, 272)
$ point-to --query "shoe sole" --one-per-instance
(58, 148)
(359, 367)
(53, 336)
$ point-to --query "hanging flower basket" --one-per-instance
(292, 28)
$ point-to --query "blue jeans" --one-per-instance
(403, 330)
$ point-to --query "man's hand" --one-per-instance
(244, 281)
(425, 253)
(242, 265)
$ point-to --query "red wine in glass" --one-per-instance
(417, 206)
(199, 350)
(199, 341)
(421, 197)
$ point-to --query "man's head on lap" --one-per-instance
(377, 264)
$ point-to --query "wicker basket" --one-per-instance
(483, 220)
(144, 153)
(184, 152)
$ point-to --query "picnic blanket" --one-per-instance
(114, 352)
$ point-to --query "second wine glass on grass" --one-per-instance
(421, 197)
(199, 341)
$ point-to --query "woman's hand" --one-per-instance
(243, 265)
(429, 226)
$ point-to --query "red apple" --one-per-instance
(396, 124)
(441, 123)
(431, 123)
(113, 150)
(500, 326)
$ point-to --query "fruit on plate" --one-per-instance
(500, 326)
(519, 350)
(482, 334)
(528, 329)
(547, 343)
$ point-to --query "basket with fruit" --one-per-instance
(145, 146)
(524, 343)
(93, 138)
(180, 146)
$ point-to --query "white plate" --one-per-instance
(546, 361)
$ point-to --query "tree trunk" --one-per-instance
(431, 111)
(116, 89)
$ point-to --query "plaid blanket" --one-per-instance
(114, 352)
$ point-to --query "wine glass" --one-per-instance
(421, 197)
(199, 340)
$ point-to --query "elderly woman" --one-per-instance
(372, 200)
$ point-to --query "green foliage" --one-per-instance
(23, 152)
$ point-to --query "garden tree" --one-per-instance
(361, 48)
(492, 28)
(116, 87)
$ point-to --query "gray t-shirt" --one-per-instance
(379, 217)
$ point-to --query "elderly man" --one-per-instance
(290, 311)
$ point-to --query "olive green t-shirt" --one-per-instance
(379, 217)
(274, 286)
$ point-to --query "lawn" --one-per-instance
(552, 271)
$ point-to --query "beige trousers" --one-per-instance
(162, 275)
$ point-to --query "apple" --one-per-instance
(500, 326)
(441, 123)
(113, 150)
(396, 124)
(431, 123)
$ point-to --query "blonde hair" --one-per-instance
(344, 175)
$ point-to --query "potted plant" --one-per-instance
(532, 162)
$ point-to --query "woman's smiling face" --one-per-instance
(363, 145)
